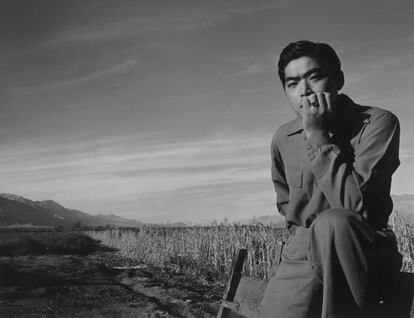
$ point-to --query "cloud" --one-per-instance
(165, 20)
(234, 200)
(147, 176)
(249, 69)
(137, 26)
(127, 66)
(378, 65)
(130, 167)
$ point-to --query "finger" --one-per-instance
(313, 100)
(313, 110)
(328, 98)
(322, 102)
(305, 111)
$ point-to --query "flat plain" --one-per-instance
(137, 272)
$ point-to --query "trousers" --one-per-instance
(327, 270)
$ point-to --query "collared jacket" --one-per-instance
(350, 168)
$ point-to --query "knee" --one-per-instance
(335, 220)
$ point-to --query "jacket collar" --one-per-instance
(295, 127)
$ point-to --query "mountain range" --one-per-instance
(404, 204)
(16, 209)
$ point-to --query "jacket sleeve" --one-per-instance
(353, 181)
(279, 178)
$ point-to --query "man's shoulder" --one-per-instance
(380, 116)
(373, 113)
(377, 112)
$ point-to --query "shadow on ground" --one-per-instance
(97, 286)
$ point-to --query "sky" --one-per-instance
(163, 111)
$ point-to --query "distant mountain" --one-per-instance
(18, 198)
(404, 204)
(17, 212)
(275, 219)
(16, 209)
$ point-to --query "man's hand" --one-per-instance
(317, 112)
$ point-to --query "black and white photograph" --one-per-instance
(206, 158)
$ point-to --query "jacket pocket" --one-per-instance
(294, 177)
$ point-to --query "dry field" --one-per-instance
(203, 251)
(149, 272)
(208, 251)
(45, 273)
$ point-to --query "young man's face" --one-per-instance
(304, 77)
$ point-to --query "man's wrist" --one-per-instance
(316, 139)
(318, 148)
(316, 133)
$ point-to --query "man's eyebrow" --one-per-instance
(311, 71)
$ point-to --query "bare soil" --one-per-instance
(101, 285)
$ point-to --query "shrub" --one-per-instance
(35, 243)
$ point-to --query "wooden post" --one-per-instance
(227, 304)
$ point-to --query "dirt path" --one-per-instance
(91, 286)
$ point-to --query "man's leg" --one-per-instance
(334, 254)
(342, 251)
(294, 290)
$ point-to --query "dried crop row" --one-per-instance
(208, 251)
(405, 238)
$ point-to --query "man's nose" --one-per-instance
(306, 90)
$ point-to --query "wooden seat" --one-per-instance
(243, 295)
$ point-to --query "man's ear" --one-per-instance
(340, 81)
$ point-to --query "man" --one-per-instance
(331, 168)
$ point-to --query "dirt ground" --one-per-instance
(101, 285)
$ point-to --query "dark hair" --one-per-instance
(322, 52)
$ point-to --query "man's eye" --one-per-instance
(291, 84)
(316, 77)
